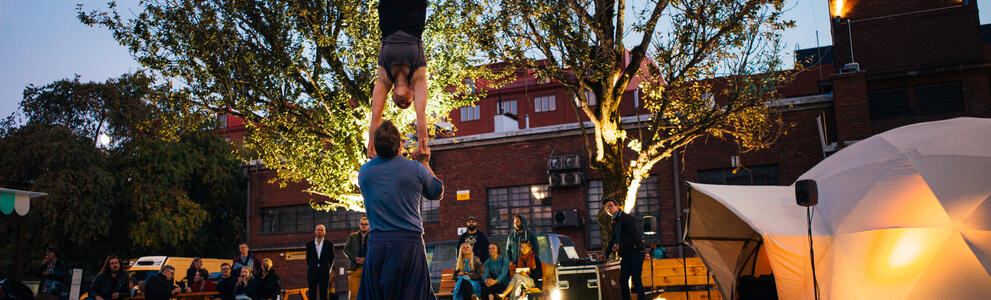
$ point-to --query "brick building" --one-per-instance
(917, 60)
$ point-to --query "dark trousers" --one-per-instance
(395, 267)
(495, 289)
(318, 285)
(631, 266)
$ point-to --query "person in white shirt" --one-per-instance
(319, 260)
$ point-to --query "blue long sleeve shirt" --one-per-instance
(393, 189)
(498, 269)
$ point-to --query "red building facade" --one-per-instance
(918, 61)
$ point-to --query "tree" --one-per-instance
(299, 72)
(165, 184)
(710, 69)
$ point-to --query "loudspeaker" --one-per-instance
(806, 192)
(649, 225)
(567, 218)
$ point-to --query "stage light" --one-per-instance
(556, 294)
(838, 7)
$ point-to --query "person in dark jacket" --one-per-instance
(194, 267)
(355, 249)
(52, 273)
(269, 285)
(111, 282)
(246, 286)
(245, 258)
(476, 238)
(225, 286)
(201, 282)
(519, 234)
(319, 260)
(160, 287)
(628, 243)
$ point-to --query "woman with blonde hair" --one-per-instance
(269, 285)
(246, 285)
(468, 271)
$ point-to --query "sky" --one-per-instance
(42, 41)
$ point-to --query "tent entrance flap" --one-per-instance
(727, 245)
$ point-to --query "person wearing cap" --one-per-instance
(476, 238)
(628, 243)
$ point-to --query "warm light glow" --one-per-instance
(838, 8)
(631, 195)
(103, 139)
(906, 250)
(556, 294)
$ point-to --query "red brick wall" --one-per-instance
(853, 112)
(912, 41)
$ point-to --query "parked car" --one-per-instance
(441, 256)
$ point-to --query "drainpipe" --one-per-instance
(677, 204)
(247, 208)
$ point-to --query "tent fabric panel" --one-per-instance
(708, 218)
(954, 273)
(899, 199)
(960, 183)
(22, 203)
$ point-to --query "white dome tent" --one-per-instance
(905, 214)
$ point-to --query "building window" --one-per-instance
(939, 98)
(888, 103)
(591, 97)
(302, 218)
(648, 204)
(757, 175)
(471, 113)
(222, 121)
(530, 201)
(544, 103)
(636, 98)
(429, 210)
(508, 106)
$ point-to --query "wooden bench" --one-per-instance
(301, 292)
(447, 283)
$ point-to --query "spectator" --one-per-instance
(496, 273)
(269, 285)
(476, 238)
(194, 267)
(246, 285)
(319, 261)
(160, 287)
(628, 243)
(132, 287)
(355, 249)
(111, 282)
(225, 286)
(517, 236)
(529, 271)
(201, 282)
(245, 259)
(468, 271)
(52, 273)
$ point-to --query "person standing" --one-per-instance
(244, 259)
(355, 249)
(517, 236)
(496, 277)
(110, 283)
(52, 273)
(160, 287)
(628, 243)
(476, 238)
(392, 186)
(319, 262)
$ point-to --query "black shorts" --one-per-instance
(400, 48)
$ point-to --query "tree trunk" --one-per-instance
(614, 176)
